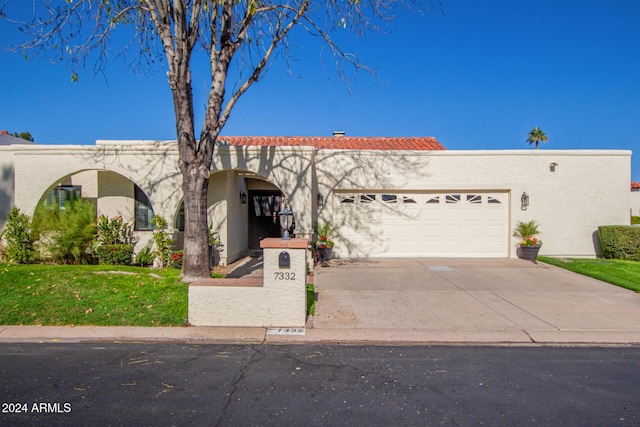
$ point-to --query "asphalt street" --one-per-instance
(294, 385)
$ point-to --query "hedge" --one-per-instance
(620, 242)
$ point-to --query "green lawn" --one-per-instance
(91, 295)
(100, 295)
(625, 274)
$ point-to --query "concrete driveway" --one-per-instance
(469, 300)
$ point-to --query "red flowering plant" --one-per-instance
(176, 259)
(325, 234)
(526, 232)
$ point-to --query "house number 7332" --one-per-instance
(281, 275)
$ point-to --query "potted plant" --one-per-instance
(529, 244)
(324, 245)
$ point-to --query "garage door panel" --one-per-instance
(495, 215)
(452, 231)
(393, 230)
(454, 224)
(432, 231)
(410, 247)
(452, 247)
(473, 231)
(494, 248)
(474, 215)
(473, 247)
(432, 214)
(452, 214)
(494, 231)
(410, 230)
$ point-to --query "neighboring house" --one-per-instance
(635, 198)
(7, 173)
(7, 139)
(389, 197)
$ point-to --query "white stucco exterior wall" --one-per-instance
(587, 189)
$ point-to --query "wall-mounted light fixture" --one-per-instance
(243, 198)
(552, 166)
(320, 199)
(524, 201)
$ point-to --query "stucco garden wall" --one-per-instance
(152, 166)
(587, 189)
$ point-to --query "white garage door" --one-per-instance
(451, 224)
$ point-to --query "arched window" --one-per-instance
(143, 210)
(180, 218)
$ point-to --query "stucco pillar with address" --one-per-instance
(277, 301)
(285, 279)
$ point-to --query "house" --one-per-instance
(635, 198)
(389, 197)
(7, 172)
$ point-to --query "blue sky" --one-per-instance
(478, 76)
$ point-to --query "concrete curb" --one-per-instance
(215, 335)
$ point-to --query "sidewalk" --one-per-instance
(419, 302)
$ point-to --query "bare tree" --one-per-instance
(241, 35)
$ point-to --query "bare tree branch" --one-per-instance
(248, 34)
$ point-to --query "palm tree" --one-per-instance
(536, 135)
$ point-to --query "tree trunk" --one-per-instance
(194, 161)
(196, 257)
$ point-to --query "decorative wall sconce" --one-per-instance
(243, 198)
(320, 199)
(552, 166)
(524, 201)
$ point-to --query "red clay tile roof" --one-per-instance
(337, 142)
(635, 184)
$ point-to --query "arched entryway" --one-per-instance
(242, 209)
(264, 206)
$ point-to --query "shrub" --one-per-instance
(162, 241)
(112, 244)
(65, 235)
(117, 254)
(635, 220)
(17, 235)
(176, 259)
(620, 242)
(144, 257)
(113, 231)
